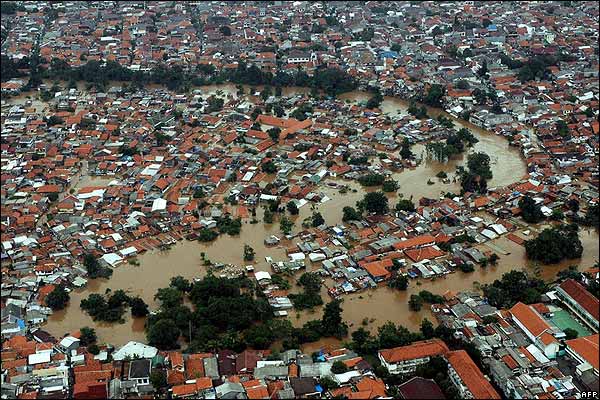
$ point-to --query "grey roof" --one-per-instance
(315, 370)
(230, 390)
(139, 369)
(271, 371)
(211, 367)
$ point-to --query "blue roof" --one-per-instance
(492, 27)
(319, 388)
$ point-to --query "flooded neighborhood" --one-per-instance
(281, 200)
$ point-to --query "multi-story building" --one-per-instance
(468, 378)
(405, 359)
(580, 301)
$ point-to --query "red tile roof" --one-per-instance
(471, 375)
(424, 348)
(587, 348)
(584, 298)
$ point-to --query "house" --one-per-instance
(420, 388)
(580, 301)
(68, 344)
(139, 371)
(536, 329)
(406, 359)
(468, 378)
(585, 351)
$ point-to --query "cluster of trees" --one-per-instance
(111, 307)
(375, 100)
(405, 205)
(301, 113)
(223, 308)
(405, 151)
(371, 179)
(388, 336)
(311, 295)
(358, 160)
(58, 298)
(398, 281)
(530, 210)
(10, 7)
(332, 81)
(228, 225)
(592, 217)
(555, 244)
(514, 286)
(94, 269)
(456, 143)
(416, 300)
(390, 185)
(434, 95)
(350, 214)
(373, 202)
(232, 314)
(475, 177)
(416, 111)
(10, 68)
(536, 67)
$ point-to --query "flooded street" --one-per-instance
(379, 305)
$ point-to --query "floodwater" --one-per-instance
(378, 305)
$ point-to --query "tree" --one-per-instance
(350, 214)
(405, 152)
(479, 164)
(93, 349)
(338, 367)
(286, 225)
(248, 253)
(434, 95)
(292, 208)
(58, 298)
(375, 101)
(555, 244)
(158, 379)
(427, 329)
(375, 202)
(269, 167)
(225, 30)
(180, 283)
(139, 308)
(570, 334)
(390, 186)
(405, 205)
(399, 281)
(274, 134)
(93, 267)
(328, 383)
(483, 70)
(317, 219)
(530, 210)
(169, 297)
(207, 235)
(514, 286)
(332, 322)
(87, 336)
(163, 334)
(415, 302)
(268, 216)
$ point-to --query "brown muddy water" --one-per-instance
(378, 305)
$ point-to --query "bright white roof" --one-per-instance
(135, 348)
(260, 275)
